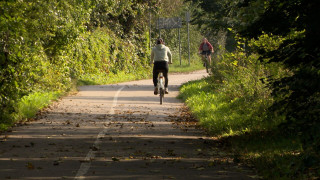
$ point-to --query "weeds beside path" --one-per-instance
(239, 128)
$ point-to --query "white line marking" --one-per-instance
(85, 165)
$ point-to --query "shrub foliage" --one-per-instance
(45, 45)
(294, 88)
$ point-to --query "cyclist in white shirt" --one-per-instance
(160, 56)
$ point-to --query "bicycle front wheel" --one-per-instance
(207, 68)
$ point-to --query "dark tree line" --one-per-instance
(297, 97)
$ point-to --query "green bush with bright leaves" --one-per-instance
(48, 46)
(236, 98)
(295, 94)
(234, 104)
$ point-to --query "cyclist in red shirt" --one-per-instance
(206, 49)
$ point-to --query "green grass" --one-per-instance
(219, 112)
(195, 64)
(28, 106)
(241, 125)
(273, 154)
(91, 79)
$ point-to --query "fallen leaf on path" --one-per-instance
(56, 163)
(170, 152)
(107, 164)
(154, 171)
(156, 157)
(29, 165)
(196, 166)
(256, 177)
(84, 161)
(94, 148)
(131, 170)
(211, 164)
(115, 159)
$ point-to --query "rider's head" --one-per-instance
(160, 41)
(204, 40)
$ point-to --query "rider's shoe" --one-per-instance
(166, 91)
(155, 91)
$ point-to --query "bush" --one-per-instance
(47, 45)
(236, 97)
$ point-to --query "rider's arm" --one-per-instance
(200, 48)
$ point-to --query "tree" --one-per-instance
(297, 96)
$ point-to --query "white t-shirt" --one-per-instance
(161, 53)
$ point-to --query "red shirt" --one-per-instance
(208, 44)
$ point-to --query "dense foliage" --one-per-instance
(235, 98)
(294, 86)
(298, 96)
(45, 46)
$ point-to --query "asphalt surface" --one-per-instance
(116, 132)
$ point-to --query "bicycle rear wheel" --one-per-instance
(161, 95)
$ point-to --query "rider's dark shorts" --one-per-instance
(164, 67)
(161, 65)
(206, 52)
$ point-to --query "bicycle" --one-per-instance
(160, 86)
(206, 62)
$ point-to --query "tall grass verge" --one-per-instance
(195, 64)
(222, 114)
(99, 79)
(28, 106)
(110, 78)
(234, 105)
(243, 128)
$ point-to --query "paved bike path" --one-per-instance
(115, 132)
